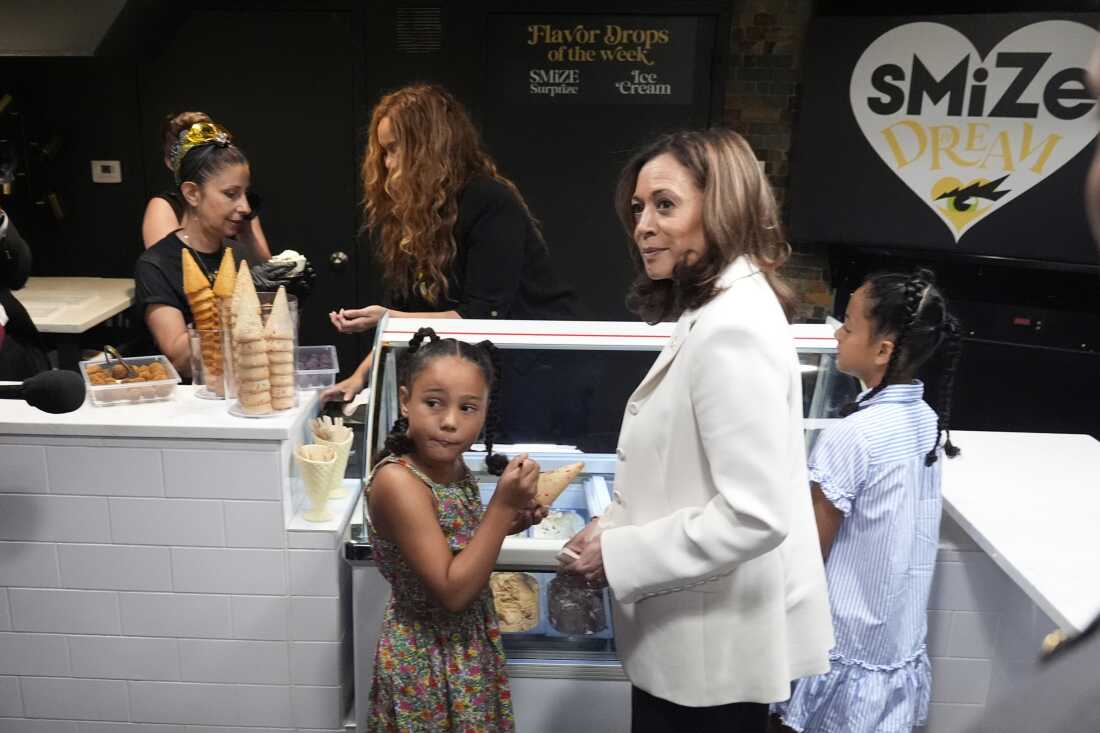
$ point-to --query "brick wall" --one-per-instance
(762, 104)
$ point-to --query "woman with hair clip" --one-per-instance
(440, 663)
(214, 179)
(165, 210)
(875, 481)
(709, 546)
(454, 237)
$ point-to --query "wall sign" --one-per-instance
(983, 121)
(592, 59)
(969, 133)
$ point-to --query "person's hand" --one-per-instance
(581, 539)
(518, 484)
(345, 390)
(356, 320)
(531, 515)
(270, 275)
(301, 285)
(589, 564)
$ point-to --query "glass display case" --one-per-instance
(564, 388)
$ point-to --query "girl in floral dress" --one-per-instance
(440, 663)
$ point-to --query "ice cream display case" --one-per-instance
(564, 387)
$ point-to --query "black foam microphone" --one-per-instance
(55, 391)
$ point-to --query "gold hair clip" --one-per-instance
(198, 134)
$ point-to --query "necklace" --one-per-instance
(197, 256)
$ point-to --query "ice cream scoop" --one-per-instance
(289, 257)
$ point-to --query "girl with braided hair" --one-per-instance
(440, 663)
(875, 480)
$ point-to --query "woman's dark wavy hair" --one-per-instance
(423, 348)
(912, 310)
(740, 217)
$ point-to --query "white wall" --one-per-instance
(149, 586)
(984, 633)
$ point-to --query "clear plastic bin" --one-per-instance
(133, 392)
(316, 366)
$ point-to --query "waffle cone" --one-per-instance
(279, 326)
(316, 464)
(553, 483)
(227, 275)
(341, 443)
(194, 280)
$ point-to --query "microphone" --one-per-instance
(55, 391)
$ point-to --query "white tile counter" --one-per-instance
(154, 569)
(1031, 501)
(185, 416)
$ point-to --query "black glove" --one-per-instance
(269, 276)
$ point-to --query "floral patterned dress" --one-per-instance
(435, 670)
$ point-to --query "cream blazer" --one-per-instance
(710, 547)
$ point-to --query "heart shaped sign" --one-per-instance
(969, 134)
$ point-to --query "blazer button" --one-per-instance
(620, 455)
(493, 314)
(617, 497)
(632, 408)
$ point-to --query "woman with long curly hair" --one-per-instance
(453, 235)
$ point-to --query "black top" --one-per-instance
(22, 351)
(158, 275)
(502, 267)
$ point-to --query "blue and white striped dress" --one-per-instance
(871, 467)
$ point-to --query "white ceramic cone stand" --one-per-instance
(316, 464)
(341, 443)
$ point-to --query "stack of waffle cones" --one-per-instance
(250, 365)
(317, 464)
(279, 335)
(335, 434)
(204, 314)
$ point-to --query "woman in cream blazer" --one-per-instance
(710, 547)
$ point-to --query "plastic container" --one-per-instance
(102, 395)
(316, 366)
(211, 385)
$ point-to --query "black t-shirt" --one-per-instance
(22, 352)
(502, 267)
(158, 275)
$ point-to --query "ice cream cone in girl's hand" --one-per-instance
(553, 483)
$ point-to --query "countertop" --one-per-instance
(74, 304)
(184, 416)
(1032, 502)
